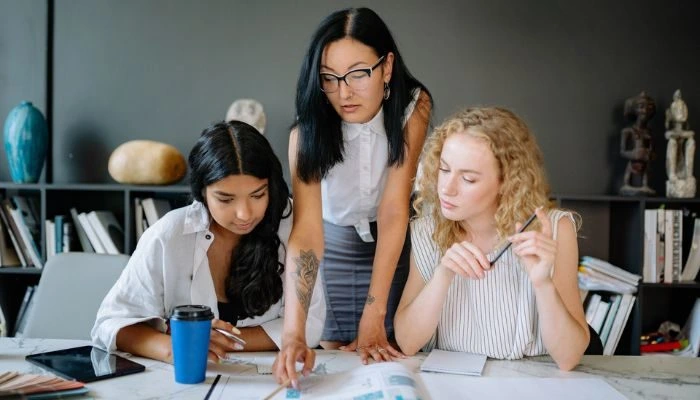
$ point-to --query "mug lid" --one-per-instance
(192, 312)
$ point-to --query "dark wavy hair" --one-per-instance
(236, 148)
(317, 122)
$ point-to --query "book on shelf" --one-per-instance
(674, 228)
(140, 223)
(91, 234)
(8, 253)
(611, 295)
(80, 231)
(109, 231)
(24, 309)
(50, 238)
(3, 323)
(31, 386)
(663, 247)
(692, 265)
(597, 275)
(154, 209)
(691, 330)
(618, 324)
(29, 212)
(24, 237)
(12, 232)
(604, 333)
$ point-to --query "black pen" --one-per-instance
(522, 228)
(213, 385)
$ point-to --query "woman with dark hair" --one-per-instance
(225, 250)
(361, 123)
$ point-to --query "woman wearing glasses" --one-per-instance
(361, 124)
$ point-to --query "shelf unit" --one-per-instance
(612, 230)
(58, 199)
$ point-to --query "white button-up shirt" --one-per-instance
(352, 190)
(170, 268)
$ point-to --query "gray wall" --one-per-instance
(22, 60)
(164, 70)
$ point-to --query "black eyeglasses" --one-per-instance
(357, 79)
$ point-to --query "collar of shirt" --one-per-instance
(375, 125)
(196, 218)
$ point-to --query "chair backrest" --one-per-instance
(70, 291)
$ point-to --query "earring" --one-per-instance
(387, 91)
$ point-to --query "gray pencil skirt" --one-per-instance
(346, 270)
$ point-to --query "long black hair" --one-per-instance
(236, 148)
(320, 140)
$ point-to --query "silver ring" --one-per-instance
(381, 350)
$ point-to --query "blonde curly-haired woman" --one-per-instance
(483, 175)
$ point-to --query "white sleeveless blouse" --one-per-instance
(495, 316)
(352, 190)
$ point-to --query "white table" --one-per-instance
(634, 377)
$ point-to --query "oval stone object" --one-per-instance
(146, 162)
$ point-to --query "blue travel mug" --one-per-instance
(190, 328)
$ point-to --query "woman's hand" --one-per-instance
(465, 260)
(536, 249)
(371, 339)
(219, 344)
(284, 367)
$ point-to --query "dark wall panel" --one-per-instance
(22, 60)
(163, 70)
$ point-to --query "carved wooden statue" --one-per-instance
(680, 151)
(636, 145)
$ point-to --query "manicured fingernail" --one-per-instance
(236, 331)
(238, 346)
(295, 384)
(341, 348)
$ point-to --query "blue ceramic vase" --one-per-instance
(26, 136)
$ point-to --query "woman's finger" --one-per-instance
(394, 352)
(375, 354)
(364, 355)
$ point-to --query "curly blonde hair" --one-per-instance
(523, 182)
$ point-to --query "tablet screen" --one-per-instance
(85, 364)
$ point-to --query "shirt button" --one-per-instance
(208, 237)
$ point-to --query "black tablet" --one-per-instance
(85, 364)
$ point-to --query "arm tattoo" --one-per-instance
(307, 268)
(370, 299)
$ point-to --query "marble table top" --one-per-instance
(634, 377)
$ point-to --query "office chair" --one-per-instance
(71, 289)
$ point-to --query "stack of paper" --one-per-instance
(454, 362)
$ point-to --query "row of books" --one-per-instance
(99, 231)
(95, 231)
(663, 247)
(608, 293)
(19, 232)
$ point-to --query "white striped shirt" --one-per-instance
(496, 315)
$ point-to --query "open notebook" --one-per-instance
(454, 362)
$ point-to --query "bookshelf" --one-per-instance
(58, 199)
(613, 230)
